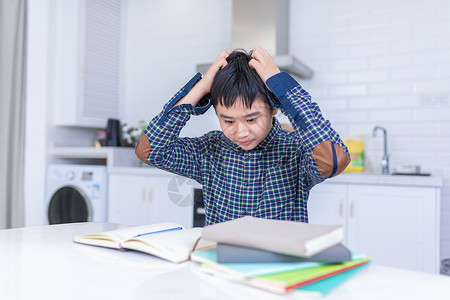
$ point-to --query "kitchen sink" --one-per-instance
(410, 174)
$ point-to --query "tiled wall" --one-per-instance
(383, 62)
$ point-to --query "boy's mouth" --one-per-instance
(245, 143)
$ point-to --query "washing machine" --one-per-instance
(76, 193)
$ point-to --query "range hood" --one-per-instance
(264, 23)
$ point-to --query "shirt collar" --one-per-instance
(273, 133)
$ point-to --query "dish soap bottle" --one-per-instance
(356, 150)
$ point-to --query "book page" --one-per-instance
(170, 242)
(114, 237)
(172, 245)
(127, 233)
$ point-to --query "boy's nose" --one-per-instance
(242, 130)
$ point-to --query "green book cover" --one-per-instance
(324, 286)
(296, 278)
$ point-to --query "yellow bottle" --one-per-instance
(356, 150)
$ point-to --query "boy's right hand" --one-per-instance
(203, 87)
(219, 63)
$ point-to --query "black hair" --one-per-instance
(238, 79)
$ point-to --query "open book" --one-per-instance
(169, 241)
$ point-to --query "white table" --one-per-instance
(44, 263)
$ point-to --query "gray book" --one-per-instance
(227, 253)
(284, 237)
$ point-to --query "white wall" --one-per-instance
(164, 41)
(36, 111)
(383, 62)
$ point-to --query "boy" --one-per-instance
(253, 166)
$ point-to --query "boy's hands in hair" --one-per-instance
(263, 63)
(203, 87)
(219, 63)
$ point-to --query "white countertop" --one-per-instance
(114, 156)
(44, 263)
(379, 179)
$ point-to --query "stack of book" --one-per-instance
(279, 256)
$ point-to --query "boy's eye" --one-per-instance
(251, 120)
(229, 122)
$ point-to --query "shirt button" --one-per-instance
(246, 184)
(245, 213)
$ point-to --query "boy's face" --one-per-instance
(246, 127)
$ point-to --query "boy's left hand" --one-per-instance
(263, 63)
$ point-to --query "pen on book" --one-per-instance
(164, 230)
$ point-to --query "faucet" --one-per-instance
(385, 159)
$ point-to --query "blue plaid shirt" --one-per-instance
(271, 181)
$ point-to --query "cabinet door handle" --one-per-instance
(150, 194)
(352, 203)
(341, 207)
(143, 193)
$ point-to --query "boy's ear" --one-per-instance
(274, 111)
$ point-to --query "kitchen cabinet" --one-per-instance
(396, 225)
(326, 204)
(150, 197)
(88, 59)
